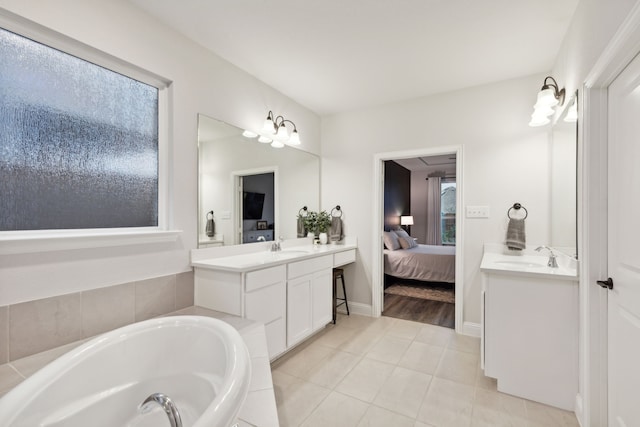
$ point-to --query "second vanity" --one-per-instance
(290, 290)
(530, 326)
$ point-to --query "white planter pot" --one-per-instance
(324, 238)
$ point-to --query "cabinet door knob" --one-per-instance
(606, 283)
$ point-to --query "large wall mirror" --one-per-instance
(564, 146)
(249, 191)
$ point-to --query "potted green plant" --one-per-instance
(310, 222)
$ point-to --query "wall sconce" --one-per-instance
(572, 112)
(549, 96)
(275, 131)
(406, 221)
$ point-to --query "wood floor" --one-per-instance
(419, 310)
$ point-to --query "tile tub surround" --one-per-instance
(383, 371)
(259, 408)
(36, 326)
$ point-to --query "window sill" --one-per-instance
(60, 240)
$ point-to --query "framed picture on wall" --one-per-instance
(261, 225)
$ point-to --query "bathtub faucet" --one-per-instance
(166, 404)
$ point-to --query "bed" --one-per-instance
(423, 262)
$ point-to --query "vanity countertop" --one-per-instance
(245, 262)
(528, 265)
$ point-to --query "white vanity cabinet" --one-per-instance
(257, 295)
(530, 336)
(309, 297)
(290, 291)
(265, 301)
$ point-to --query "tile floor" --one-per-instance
(394, 373)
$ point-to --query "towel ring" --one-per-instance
(209, 213)
(337, 208)
(304, 208)
(517, 206)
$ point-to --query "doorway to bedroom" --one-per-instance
(419, 239)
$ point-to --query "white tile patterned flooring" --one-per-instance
(391, 372)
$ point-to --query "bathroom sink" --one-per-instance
(519, 264)
(295, 252)
(200, 363)
(527, 265)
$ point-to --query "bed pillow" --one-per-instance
(406, 241)
(391, 240)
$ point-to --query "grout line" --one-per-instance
(360, 357)
(8, 332)
(17, 371)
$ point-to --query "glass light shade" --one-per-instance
(543, 111)
(268, 127)
(572, 113)
(264, 139)
(277, 144)
(406, 220)
(539, 120)
(282, 133)
(547, 98)
(295, 138)
(249, 134)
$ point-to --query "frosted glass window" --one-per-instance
(78, 142)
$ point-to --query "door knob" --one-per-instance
(606, 283)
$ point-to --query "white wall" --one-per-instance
(592, 26)
(202, 83)
(505, 161)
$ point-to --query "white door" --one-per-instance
(624, 248)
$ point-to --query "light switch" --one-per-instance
(225, 215)
(477, 211)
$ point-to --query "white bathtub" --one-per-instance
(201, 363)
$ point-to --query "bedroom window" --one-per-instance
(79, 147)
(448, 211)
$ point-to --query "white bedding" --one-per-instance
(424, 262)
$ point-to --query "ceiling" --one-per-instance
(338, 55)
(441, 163)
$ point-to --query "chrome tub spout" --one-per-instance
(166, 404)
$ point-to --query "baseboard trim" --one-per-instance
(471, 329)
(468, 328)
(356, 308)
(579, 411)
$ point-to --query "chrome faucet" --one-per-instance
(276, 246)
(552, 257)
(166, 404)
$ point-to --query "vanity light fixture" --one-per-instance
(549, 97)
(572, 112)
(277, 126)
(274, 131)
